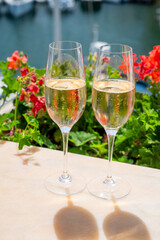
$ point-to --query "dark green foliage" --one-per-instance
(137, 142)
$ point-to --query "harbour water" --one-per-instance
(133, 24)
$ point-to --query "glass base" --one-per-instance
(112, 189)
(65, 185)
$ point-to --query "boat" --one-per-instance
(116, 1)
(158, 15)
(0, 5)
(18, 8)
(41, 1)
(3, 8)
(90, 5)
(64, 5)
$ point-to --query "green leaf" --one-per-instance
(157, 132)
(36, 136)
(40, 72)
(8, 126)
(89, 99)
(100, 146)
(120, 139)
(23, 142)
(124, 159)
(78, 151)
(3, 65)
(11, 82)
(113, 72)
(80, 138)
(47, 142)
(6, 116)
(32, 121)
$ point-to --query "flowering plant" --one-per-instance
(28, 122)
(149, 67)
(149, 71)
(29, 105)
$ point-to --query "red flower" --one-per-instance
(21, 97)
(155, 76)
(124, 67)
(32, 88)
(155, 55)
(24, 71)
(33, 98)
(42, 100)
(15, 60)
(150, 65)
(35, 88)
(33, 78)
(41, 81)
(39, 103)
(135, 64)
(34, 110)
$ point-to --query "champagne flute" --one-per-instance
(65, 98)
(113, 95)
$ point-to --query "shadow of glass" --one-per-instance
(75, 223)
(124, 225)
(27, 155)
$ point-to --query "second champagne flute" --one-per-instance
(113, 96)
(65, 98)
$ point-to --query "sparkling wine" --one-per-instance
(113, 102)
(65, 100)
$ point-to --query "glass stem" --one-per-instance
(65, 174)
(111, 137)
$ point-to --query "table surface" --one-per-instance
(29, 212)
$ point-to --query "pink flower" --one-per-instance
(15, 61)
(23, 91)
(106, 59)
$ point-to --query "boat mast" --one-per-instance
(57, 21)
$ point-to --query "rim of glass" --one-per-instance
(53, 45)
(116, 52)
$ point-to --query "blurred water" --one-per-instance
(132, 24)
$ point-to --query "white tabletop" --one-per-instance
(29, 212)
